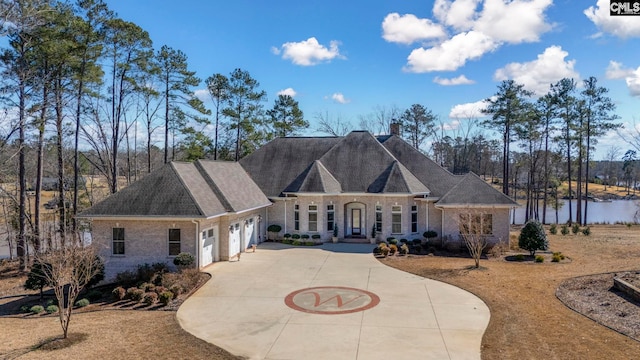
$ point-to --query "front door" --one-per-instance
(356, 222)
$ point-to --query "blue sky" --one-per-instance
(344, 58)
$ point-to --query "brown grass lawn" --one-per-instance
(527, 320)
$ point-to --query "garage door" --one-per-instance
(234, 239)
(210, 246)
(249, 234)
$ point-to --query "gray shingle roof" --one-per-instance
(316, 179)
(201, 189)
(472, 190)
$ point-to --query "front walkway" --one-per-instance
(285, 302)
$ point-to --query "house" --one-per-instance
(307, 185)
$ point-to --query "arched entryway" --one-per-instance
(354, 220)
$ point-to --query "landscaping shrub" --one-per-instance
(126, 278)
(274, 228)
(160, 289)
(404, 249)
(181, 282)
(559, 255)
(392, 240)
(287, 236)
(539, 258)
(36, 278)
(97, 268)
(287, 241)
(404, 241)
(165, 297)
(586, 231)
(119, 293)
(135, 294)
(393, 248)
(150, 298)
(416, 241)
(147, 287)
(36, 309)
(295, 236)
(184, 260)
(431, 250)
(385, 251)
(25, 309)
(309, 243)
(296, 243)
(555, 258)
(176, 289)
(52, 309)
(564, 230)
(533, 237)
(519, 257)
(553, 229)
(429, 234)
(82, 302)
(315, 236)
(304, 236)
(575, 229)
(377, 251)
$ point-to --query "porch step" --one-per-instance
(354, 240)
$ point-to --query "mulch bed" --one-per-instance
(595, 297)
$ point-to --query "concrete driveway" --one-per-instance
(335, 301)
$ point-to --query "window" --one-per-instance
(118, 241)
(174, 242)
(414, 219)
(296, 217)
(396, 219)
(379, 218)
(481, 224)
(313, 217)
(330, 217)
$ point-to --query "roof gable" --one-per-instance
(232, 185)
(315, 179)
(472, 190)
(397, 179)
(144, 198)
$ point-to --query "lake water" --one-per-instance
(599, 212)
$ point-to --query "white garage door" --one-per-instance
(249, 234)
(210, 246)
(234, 240)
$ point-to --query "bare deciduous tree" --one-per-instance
(475, 227)
(69, 270)
(333, 126)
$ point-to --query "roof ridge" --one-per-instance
(216, 190)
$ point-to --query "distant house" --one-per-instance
(307, 185)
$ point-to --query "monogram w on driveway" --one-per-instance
(331, 302)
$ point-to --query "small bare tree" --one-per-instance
(474, 229)
(69, 269)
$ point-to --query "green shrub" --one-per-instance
(147, 287)
(575, 229)
(295, 236)
(287, 241)
(539, 258)
(304, 236)
(555, 258)
(36, 309)
(160, 289)
(429, 234)
(586, 231)
(274, 228)
(533, 237)
(176, 289)
(296, 243)
(377, 251)
(382, 245)
(385, 250)
(315, 236)
(36, 279)
(519, 257)
(52, 309)
(309, 243)
(392, 240)
(404, 249)
(82, 302)
(564, 230)
(287, 236)
(559, 255)
(150, 298)
(165, 297)
(416, 241)
(184, 260)
(553, 229)
(119, 293)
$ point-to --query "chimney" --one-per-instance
(394, 128)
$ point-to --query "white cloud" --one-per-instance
(620, 26)
(407, 29)
(309, 52)
(616, 71)
(451, 54)
(339, 98)
(459, 80)
(288, 91)
(275, 50)
(468, 110)
(202, 94)
(633, 83)
(459, 14)
(514, 21)
(538, 74)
